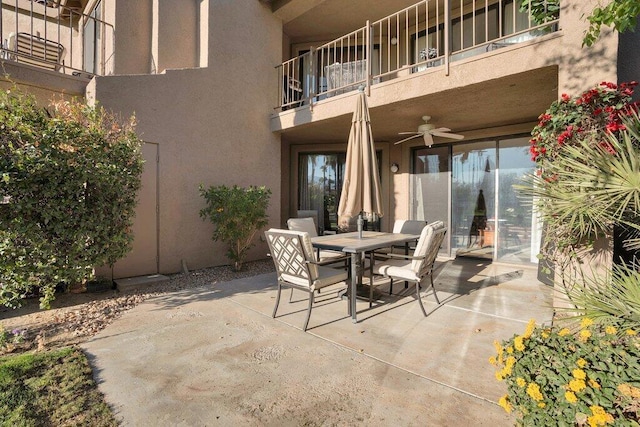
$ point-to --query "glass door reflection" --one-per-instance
(473, 223)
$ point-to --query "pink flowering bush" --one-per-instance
(589, 116)
(558, 376)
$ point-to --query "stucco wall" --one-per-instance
(211, 125)
(133, 42)
(43, 84)
(581, 68)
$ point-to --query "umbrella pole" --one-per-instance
(360, 225)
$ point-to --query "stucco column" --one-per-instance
(580, 68)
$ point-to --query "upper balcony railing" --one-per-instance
(429, 34)
(47, 35)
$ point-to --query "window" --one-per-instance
(476, 28)
(92, 40)
(320, 180)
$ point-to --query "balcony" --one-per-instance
(56, 35)
(425, 37)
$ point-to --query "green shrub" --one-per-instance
(589, 376)
(586, 148)
(69, 175)
(237, 214)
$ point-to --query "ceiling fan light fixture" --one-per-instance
(428, 131)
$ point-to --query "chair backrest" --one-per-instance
(408, 226)
(303, 224)
(35, 50)
(428, 245)
(290, 251)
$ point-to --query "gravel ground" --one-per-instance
(74, 318)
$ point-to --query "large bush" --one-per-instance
(586, 148)
(237, 214)
(585, 371)
(69, 175)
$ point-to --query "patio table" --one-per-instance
(352, 244)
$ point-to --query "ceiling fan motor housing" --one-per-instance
(425, 127)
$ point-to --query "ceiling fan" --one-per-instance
(428, 131)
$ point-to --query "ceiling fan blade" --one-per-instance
(406, 139)
(428, 139)
(409, 133)
(447, 135)
(441, 130)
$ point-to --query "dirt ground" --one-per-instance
(76, 317)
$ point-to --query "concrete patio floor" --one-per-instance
(214, 355)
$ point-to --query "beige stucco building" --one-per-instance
(252, 92)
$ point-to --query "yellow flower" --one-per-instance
(584, 335)
(599, 417)
(499, 376)
(579, 374)
(577, 385)
(530, 327)
(498, 347)
(631, 332)
(521, 382)
(611, 330)
(581, 363)
(510, 350)
(586, 322)
(541, 405)
(508, 367)
(493, 360)
(545, 334)
(504, 403)
(533, 390)
(593, 383)
(564, 331)
(570, 396)
(518, 343)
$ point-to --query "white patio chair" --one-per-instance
(308, 225)
(408, 226)
(297, 267)
(413, 268)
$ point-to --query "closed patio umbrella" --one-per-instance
(361, 192)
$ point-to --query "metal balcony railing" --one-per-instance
(47, 35)
(429, 34)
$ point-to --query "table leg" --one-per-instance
(356, 277)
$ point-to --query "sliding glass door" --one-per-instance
(430, 185)
(519, 233)
(320, 178)
(473, 198)
(471, 186)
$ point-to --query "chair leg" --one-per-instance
(277, 300)
(291, 295)
(434, 288)
(420, 299)
(306, 322)
(390, 286)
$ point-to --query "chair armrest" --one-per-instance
(330, 260)
(399, 256)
